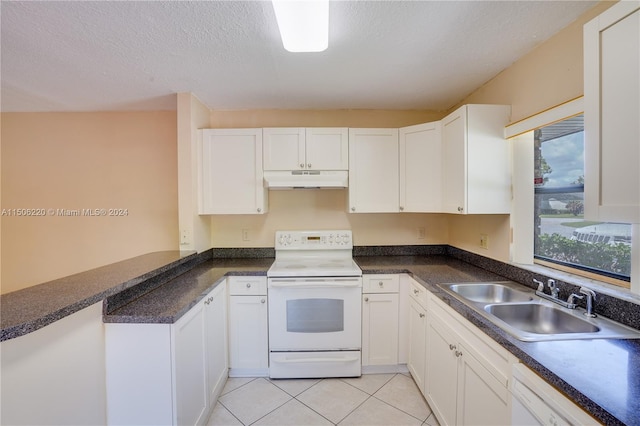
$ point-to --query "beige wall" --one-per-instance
(322, 118)
(85, 161)
(550, 75)
(195, 230)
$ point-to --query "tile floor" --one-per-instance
(373, 399)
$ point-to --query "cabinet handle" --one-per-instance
(259, 210)
(302, 165)
(452, 347)
(458, 354)
(248, 285)
(416, 292)
(401, 208)
(381, 284)
(308, 165)
(421, 315)
(366, 299)
(460, 209)
(262, 300)
(353, 209)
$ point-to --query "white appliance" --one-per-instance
(306, 179)
(314, 292)
(534, 402)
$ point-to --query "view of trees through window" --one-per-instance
(561, 233)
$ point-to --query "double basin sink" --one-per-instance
(528, 317)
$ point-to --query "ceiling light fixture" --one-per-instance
(304, 24)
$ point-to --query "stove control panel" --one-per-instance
(313, 240)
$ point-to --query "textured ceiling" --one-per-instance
(121, 55)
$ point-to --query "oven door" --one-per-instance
(314, 314)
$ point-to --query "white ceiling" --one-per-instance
(122, 55)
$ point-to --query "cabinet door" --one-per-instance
(454, 159)
(216, 341)
(442, 371)
(476, 160)
(248, 344)
(373, 171)
(284, 148)
(417, 343)
(380, 329)
(190, 367)
(420, 168)
(327, 148)
(612, 108)
(482, 399)
(230, 173)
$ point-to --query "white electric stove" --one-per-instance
(315, 292)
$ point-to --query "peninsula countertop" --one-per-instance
(600, 375)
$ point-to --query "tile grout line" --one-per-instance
(292, 397)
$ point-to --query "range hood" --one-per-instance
(306, 179)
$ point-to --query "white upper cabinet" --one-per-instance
(373, 171)
(420, 168)
(230, 175)
(611, 116)
(476, 160)
(297, 148)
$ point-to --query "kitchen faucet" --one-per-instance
(555, 290)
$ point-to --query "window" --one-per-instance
(561, 235)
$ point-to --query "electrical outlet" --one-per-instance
(422, 233)
(184, 237)
(484, 241)
(245, 235)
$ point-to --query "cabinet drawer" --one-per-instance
(247, 286)
(387, 283)
(418, 293)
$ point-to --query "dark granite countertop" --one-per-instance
(600, 375)
(27, 310)
(167, 303)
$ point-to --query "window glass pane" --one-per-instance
(561, 233)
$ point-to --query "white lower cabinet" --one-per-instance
(168, 373)
(417, 333)
(467, 375)
(380, 304)
(248, 328)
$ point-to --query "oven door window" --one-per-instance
(315, 315)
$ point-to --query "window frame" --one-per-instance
(520, 134)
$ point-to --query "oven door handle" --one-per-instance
(315, 284)
(318, 359)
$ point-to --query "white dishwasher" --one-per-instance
(535, 402)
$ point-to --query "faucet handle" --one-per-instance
(540, 284)
(572, 297)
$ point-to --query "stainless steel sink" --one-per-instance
(490, 293)
(520, 312)
(540, 319)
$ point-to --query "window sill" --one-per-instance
(598, 285)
